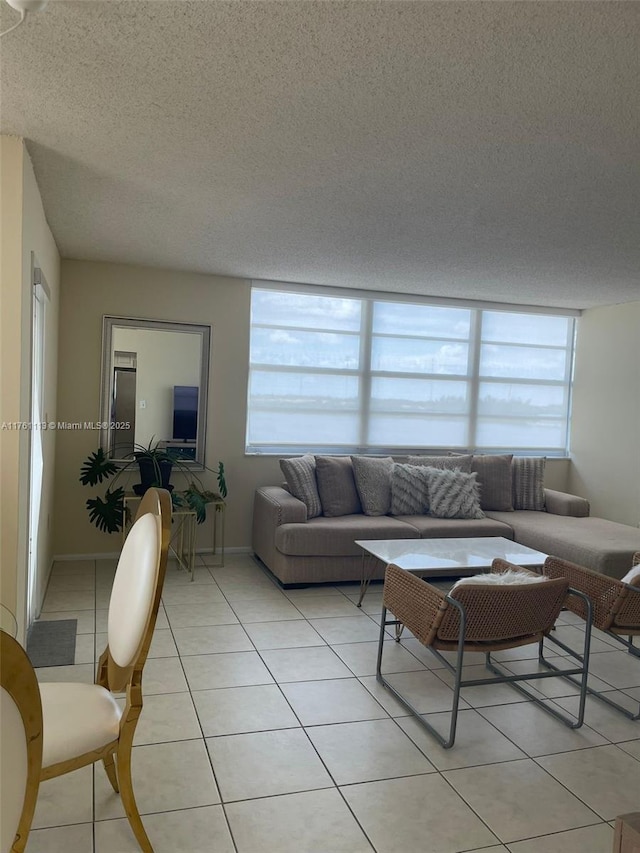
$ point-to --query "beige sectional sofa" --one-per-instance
(299, 549)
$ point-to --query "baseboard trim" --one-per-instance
(113, 555)
(241, 549)
(100, 555)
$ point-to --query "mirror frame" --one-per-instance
(109, 322)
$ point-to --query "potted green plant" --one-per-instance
(155, 465)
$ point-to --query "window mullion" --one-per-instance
(366, 344)
(475, 343)
(570, 365)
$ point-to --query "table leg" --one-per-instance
(365, 578)
(183, 543)
(218, 520)
(191, 545)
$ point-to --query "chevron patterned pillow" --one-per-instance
(453, 494)
(409, 489)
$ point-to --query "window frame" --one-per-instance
(472, 379)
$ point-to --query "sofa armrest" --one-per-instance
(273, 506)
(277, 506)
(561, 503)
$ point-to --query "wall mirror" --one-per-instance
(155, 376)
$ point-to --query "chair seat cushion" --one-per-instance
(77, 718)
(632, 576)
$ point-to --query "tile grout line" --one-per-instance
(479, 710)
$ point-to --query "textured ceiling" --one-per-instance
(488, 150)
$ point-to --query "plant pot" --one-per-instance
(149, 475)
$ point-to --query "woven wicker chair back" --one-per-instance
(499, 613)
(615, 607)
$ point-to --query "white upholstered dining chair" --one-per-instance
(83, 723)
(20, 744)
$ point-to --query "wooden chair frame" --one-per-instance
(480, 619)
(18, 678)
(116, 755)
(616, 610)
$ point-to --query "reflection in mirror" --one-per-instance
(155, 377)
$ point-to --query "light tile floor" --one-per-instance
(265, 731)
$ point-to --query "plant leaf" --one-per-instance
(178, 501)
(222, 484)
(195, 499)
(107, 514)
(96, 468)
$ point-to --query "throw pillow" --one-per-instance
(449, 463)
(337, 486)
(300, 474)
(528, 482)
(409, 490)
(632, 576)
(499, 578)
(453, 494)
(494, 479)
(373, 482)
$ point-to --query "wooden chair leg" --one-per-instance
(123, 759)
(110, 770)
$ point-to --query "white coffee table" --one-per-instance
(438, 557)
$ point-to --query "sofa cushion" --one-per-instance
(459, 462)
(409, 489)
(428, 527)
(336, 536)
(494, 479)
(300, 474)
(373, 482)
(527, 478)
(602, 545)
(337, 486)
(453, 494)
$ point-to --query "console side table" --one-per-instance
(183, 533)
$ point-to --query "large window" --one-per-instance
(365, 374)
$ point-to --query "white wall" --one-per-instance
(24, 234)
(605, 434)
(90, 290)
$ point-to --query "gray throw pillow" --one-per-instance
(300, 474)
(453, 494)
(494, 479)
(409, 489)
(337, 486)
(528, 482)
(373, 482)
(460, 462)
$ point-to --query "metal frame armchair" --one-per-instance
(83, 723)
(481, 618)
(616, 609)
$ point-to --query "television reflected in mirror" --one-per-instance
(155, 377)
(185, 414)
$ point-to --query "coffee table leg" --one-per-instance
(365, 578)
